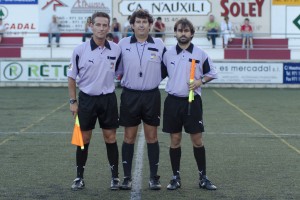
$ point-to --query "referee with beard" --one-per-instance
(177, 67)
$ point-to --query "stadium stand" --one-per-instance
(35, 46)
(264, 48)
(10, 47)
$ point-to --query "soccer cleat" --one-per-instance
(78, 184)
(174, 183)
(127, 184)
(115, 184)
(204, 183)
(154, 183)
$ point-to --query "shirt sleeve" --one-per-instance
(119, 65)
(73, 69)
(208, 68)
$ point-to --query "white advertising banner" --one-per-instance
(72, 14)
(49, 71)
(19, 19)
(258, 11)
(25, 71)
(293, 21)
(249, 73)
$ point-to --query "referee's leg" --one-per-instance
(153, 155)
(109, 136)
(199, 154)
(81, 158)
(127, 155)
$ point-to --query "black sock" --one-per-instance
(153, 156)
(81, 157)
(175, 156)
(127, 155)
(199, 153)
(113, 158)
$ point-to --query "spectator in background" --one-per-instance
(88, 29)
(54, 31)
(127, 28)
(212, 29)
(159, 29)
(2, 29)
(116, 29)
(227, 31)
(247, 34)
(110, 37)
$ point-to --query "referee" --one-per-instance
(140, 100)
(93, 68)
(177, 63)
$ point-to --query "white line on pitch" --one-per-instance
(138, 169)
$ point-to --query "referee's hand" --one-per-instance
(74, 109)
(195, 84)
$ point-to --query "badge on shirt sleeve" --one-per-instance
(70, 66)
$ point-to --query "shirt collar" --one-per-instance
(95, 46)
(189, 49)
(134, 40)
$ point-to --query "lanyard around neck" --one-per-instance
(140, 57)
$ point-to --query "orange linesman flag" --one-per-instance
(77, 135)
(192, 77)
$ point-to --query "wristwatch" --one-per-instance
(72, 101)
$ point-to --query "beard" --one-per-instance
(183, 40)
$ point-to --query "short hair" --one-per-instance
(100, 14)
(247, 19)
(159, 18)
(110, 35)
(185, 23)
(143, 14)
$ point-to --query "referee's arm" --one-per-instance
(72, 94)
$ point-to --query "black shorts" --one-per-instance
(176, 115)
(102, 107)
(140, 105)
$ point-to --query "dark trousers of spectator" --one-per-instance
(51, 35)
(86, 35)
(212, 34)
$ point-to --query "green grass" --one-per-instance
(244, 160)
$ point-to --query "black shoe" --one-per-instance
(57, 45)
(206, 184)
(78, 184)
(174, 183)
(127, 184)
(154, 183)
(115, 184)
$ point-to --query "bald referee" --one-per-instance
(93, 67)
(177, 63)
(140, 99)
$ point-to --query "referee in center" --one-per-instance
(177, 67)
(140, 99)
(93, 67)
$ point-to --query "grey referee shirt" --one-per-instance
(178, 65)
(95, 67)
(141, 63)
